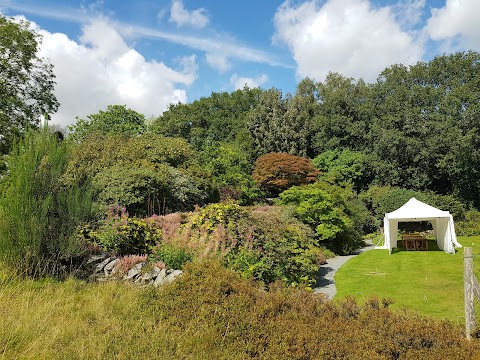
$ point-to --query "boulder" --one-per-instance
(134, 272)
(172, 276)
(160, 278)
(108, 269)
(100, 266)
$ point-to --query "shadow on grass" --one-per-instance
(432, 246)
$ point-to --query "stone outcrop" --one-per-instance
(103, 268)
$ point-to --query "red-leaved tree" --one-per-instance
(275, 172)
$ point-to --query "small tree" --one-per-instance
(275, 172)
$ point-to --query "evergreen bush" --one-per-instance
(37, 214)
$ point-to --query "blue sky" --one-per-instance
(147, 54)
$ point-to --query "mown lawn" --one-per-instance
(430, 282)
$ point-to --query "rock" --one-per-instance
(96, 258)
(155, 271)
(134, 272)
(172, 276)
(109, 267)
(160, 278)
(100, 266)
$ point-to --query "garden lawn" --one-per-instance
(430, 282)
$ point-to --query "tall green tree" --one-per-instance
(26, 81)
(221, 117)
(116, 119)
(283, 124)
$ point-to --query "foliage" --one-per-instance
(174, 257)
(231, 171)
(470, 224)
(275, 172)
(124, 235)
(26, 82)
(221, 117)
(117, 119)
(279, 124)
(37, 214)
(342, 120)
(265, 243)
(147, 173)
(288, 249)
(209, 217)
(336, 214)
(345, 166)
(211, 313)
(247, 322)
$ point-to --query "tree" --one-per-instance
(345, 166)
(279, 124)
(26, 82)
(146, 173)
(221, 117)
(116, 119)
(275, 172)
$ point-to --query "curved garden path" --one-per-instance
(325, 282)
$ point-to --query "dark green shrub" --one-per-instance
(470, 225)
(37, 214)
(122, 234)
(345, 166)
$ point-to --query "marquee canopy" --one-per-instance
(415, 210)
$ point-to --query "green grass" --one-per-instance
(430, 282)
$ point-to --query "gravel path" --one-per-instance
(325, 283)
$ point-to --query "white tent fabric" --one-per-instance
(414, 210)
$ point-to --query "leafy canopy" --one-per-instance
(117, 119)
(26, 81)
(275, 172)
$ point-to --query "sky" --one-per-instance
(148, 54)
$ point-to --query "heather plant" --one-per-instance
(38, 215)
(267, 243)
(236, 319)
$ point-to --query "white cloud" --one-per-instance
(457, 24)
(103, 70)
(217, 47)
(218, 62)
(239, 82)
(346, 36)
(181, 16)
(409, 13)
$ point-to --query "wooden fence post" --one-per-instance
(468, 285)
